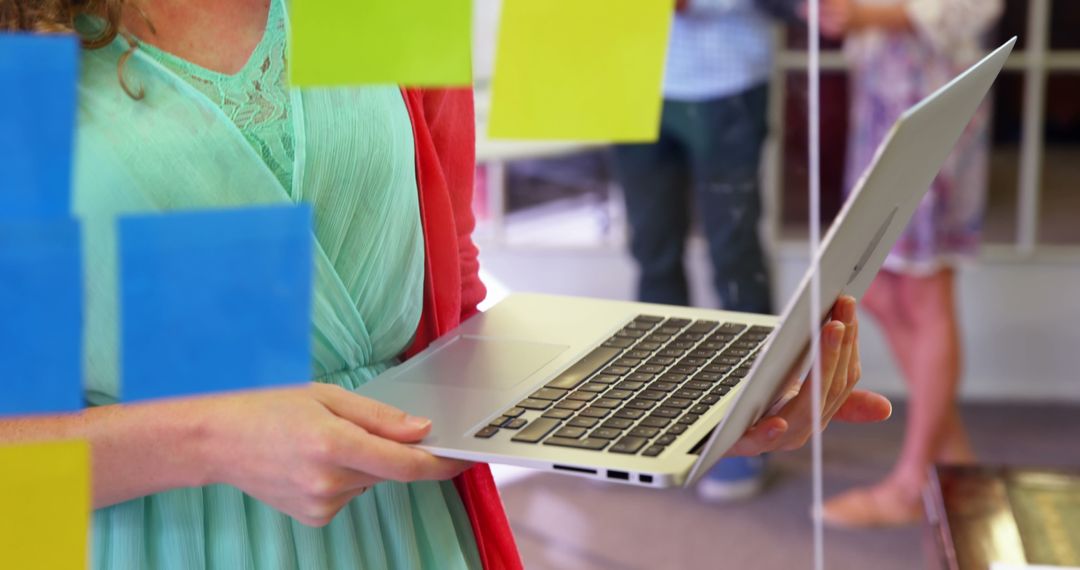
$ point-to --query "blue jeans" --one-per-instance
(708, 155)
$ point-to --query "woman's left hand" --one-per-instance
(793, 425)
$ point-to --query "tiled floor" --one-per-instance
(568, 523)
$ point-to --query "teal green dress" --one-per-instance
(201, 139)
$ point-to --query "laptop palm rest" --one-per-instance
(482, 362)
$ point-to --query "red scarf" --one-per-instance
(445, 139)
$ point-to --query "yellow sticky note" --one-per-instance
(589, 70)
(45, 505)
(403, 42)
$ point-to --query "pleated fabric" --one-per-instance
(354, 163)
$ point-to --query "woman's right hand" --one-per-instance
(308, 451)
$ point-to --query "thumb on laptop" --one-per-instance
(376, 417)
(863, 406)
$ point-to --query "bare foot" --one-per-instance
(887, 504)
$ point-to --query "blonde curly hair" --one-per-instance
(58, 16)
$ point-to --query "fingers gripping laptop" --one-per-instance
(654, 395)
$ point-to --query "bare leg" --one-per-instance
(918, 317)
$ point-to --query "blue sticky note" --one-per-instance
(215, 301)
(40, 317)
(38, 74)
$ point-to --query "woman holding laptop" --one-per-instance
(313, 477)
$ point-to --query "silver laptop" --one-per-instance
(654, 395)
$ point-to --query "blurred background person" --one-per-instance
(901, 51)
(708, 154)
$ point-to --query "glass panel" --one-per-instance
(1014, 22)
(1064, 21)
(794, 182)
(1001, 204)
(1060, 200)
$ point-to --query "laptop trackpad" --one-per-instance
(478, 362)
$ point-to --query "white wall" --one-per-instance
(1021, 319)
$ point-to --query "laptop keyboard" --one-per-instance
(638, 391)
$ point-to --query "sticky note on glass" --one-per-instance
(40, 317)
(45, 505)
(37, 122)
(402, 42)
(215, 301)
(588, 70)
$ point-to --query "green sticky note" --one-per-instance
(589, 70)
(402, 42)
(45, 505)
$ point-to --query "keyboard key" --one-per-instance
(595, 412)
(645, 432)
(681, 403)
(514, 412)
(760, 329)
(584, 368)
(717, 368)
(630, 333)
(680, 369)
(558, 414)
(641, 377)
(606, 433)
(548, 394)
(630, 414)
(617, 394)
(582, 395)
(740, 372)
(499, 421)
(618, 343)
(648, 345)
(688, 393)
(536, 431)
(706, 377)
(487, 432)
(651, 394)
(689, 419)
(672, 352)
(693, 361)
(639, 404)
(677, 429)
(651, 368)
(662, 360)
(703, 326)
(570, 405)
(627, 362)
(733, 328)
(631, 385)
(710, 399)
(677, 322)
(649, 319)
(606, 403)
(671, 377)
(638, 353)
(655, 422)
(516, 423)
(731, 381)
(698, 385)
(616, 370)
(591, 443)
(583, 422)
(666, 439)
(739, 352)
(700, 409)
(640, 326)
(665, 412)
(605, 379)
(594, 387)
(618, 423)
(570, 432)
(628, 444)
(720, 391)
(663, 386)
(534, 404)
(691, 336)
(653, 451)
